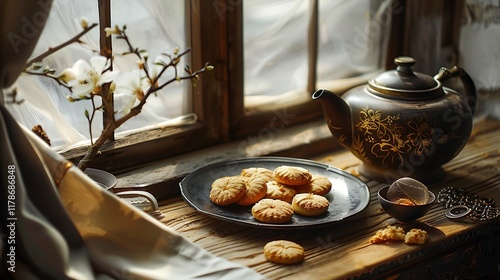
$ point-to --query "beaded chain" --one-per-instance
(481, 209)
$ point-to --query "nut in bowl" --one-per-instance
(404, 212)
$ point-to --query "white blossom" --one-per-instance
(129, 90)
(89, 78)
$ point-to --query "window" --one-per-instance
(479, 38)
(290, 48)
(268, 55)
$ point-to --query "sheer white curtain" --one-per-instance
(351, 44)
(156, 26)
(479, 53)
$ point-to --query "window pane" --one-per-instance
(479, 53)
(275, 52)
(351, 39)
(156, 26)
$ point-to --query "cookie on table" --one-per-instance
(292, 175)
(272, 211)
(309, 204)
(389, 233)
(256, 189)
(261, 172)
(279, 191)
(227, 190)
(320, 185)
(284, 252)
(416, 236)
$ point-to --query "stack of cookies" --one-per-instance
(275, 195)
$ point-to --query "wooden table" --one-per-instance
(456, 248)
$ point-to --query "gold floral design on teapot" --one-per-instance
(388, 139)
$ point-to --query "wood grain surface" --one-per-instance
(341, 250)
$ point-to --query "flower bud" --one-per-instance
(110, 31)
(112, 87)
(140, 63)
(84, 23)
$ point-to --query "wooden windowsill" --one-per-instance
(309, 140)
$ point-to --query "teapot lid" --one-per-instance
(403, 83)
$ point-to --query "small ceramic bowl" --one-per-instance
(101, 177)
(404, 213)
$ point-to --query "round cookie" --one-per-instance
(308, 204)
(320, 185)
(256, 189)
(292, 175)
(261, 172)
(284, 252)
(272, 211)
(227, 190)
(279, 191)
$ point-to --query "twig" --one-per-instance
(49, 76)
(75, 39)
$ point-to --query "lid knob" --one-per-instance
(404, 64)
(404, 83)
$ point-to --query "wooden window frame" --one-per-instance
(243, 124)
(141, 148)
(218, 98)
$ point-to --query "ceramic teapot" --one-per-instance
(402, 123)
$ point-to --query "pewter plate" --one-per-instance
(348, 196)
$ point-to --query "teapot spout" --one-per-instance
(337, 115)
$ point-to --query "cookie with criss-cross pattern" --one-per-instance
(292, 175)
(227, 190)
(279, 191)
(256, 189)
(309, 204)
(272, 211)
(318, 185)
(284, 252)
(261, 172)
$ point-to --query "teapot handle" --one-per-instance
(470, 89)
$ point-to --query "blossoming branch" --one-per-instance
(97, 81)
